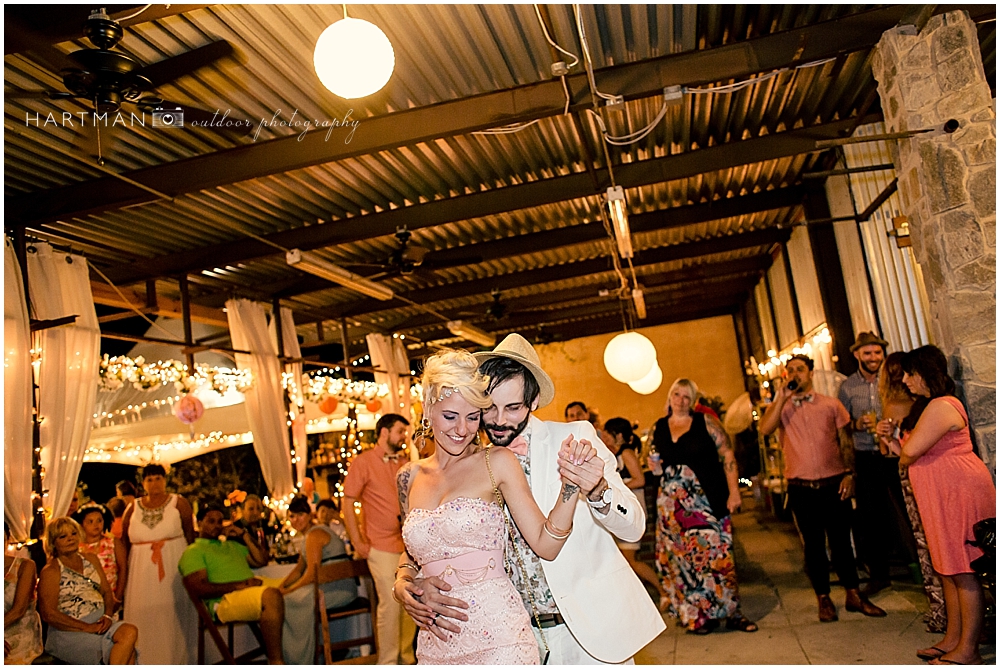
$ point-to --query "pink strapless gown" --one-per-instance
(498, 630)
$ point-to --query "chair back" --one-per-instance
(336, 571)
(207, 623)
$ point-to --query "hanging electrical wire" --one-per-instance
(507, 129)
(586, 55)
(739, 85)
(545, 31)
(132, 16)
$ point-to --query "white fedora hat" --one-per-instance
(517, 348)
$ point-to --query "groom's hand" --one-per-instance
(424, 601)
(589, 473)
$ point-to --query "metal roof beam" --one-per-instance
(766, 237)
(663, 219)
(653, 284)
(543, 99)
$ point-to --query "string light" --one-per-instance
(154, 452)
(116, 372)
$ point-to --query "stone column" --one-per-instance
(947, 185)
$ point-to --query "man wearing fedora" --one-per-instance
(881, 511)
(592, 609)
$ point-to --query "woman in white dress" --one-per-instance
(156, 529)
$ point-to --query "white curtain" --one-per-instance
(59, 285)
(392, 368)
(17, 401)
(265, 404)
(290, 341)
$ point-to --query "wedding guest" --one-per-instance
(896, 404)
(156, 530)
(126, 491)
(699, 489)
(93, 519)
(22, 628)
(322, 546)
(618, 436)
(75, 600)
(954, 490)
(253, 520)
(116, 505)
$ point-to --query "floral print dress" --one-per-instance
(694, 551)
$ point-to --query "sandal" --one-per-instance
(931, 653)
(741, 623)
(941, 660)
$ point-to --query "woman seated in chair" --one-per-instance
(22, 629)
(76, 601)
(322, 546)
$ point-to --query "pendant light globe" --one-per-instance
(650, 383)
(353, 58)
(629, 357)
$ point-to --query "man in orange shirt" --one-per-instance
(819, 464)
(371, 479)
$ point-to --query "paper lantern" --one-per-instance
(189, 409)
(649, 383)
(329, 405)
(353, 58)
(629, 357)
(373, 406)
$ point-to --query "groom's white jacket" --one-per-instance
(605, 606)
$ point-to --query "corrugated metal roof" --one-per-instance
(443, 53)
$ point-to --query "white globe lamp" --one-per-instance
(629, 357)
(648, 384)
(353, 58)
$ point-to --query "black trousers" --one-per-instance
(881, 525)
(822, 516)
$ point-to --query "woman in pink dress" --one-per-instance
(454, 528)
(954, 490)
(157, 528)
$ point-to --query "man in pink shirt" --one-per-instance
(819, 469)
(371, 479)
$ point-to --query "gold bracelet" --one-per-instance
(394, 597)
(557, 537)
(557, 530)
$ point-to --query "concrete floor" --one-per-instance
(776, 593)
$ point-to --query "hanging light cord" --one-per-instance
(127, 302)
(132, 16)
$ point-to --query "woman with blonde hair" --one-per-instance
(454, 528)
(76, 601)
(699, 489)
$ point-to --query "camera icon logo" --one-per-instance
(168, 118)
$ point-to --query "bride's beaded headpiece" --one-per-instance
(444, 394)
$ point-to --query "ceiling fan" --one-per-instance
(407, 258)
(495, 310)
(107, 79)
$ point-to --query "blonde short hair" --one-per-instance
(453, 370)
(688, 385)
(56, 527)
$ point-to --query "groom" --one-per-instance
(592, 607)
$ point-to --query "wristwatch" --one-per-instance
(604, 499)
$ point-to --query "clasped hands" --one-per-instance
(579, 465)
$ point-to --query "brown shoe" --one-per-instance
(827, 611)
(858, 604)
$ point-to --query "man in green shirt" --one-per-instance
(220, 572)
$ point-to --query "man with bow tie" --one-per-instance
(592, 608)
(819, 469)
(371, 479)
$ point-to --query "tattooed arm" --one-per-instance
(728, 459)
(545, 535)
(404, 478)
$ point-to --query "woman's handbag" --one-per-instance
(517, 553)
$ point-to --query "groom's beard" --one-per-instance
(502, 435)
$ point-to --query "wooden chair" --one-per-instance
(207, 622)
(362, 606)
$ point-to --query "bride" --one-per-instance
(454, 528)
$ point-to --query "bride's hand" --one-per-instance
(580, 465)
